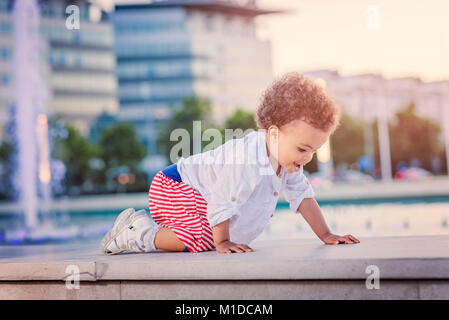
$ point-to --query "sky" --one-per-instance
(411, 37)
(394, 38)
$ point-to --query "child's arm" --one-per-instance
(311, 212)
(222, 242)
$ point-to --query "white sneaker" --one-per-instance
(132, 232)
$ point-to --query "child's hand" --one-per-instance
(335, 239)
(229, 247)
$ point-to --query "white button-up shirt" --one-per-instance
(239, 183)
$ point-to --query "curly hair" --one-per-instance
(294, 96)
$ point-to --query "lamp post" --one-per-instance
(324, 155)
(384, 138)
(325, 163)
(445, 120)
(368, 139)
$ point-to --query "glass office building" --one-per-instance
(6, 44)
(169, 50)
(79, 63)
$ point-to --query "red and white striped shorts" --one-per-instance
(180, 207)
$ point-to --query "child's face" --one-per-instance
(296, 143)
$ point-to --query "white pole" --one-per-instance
(325, 161)
(384, 139)
(324, 155)
(445, 120)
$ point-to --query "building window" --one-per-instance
(4, 80)
(77, 37)
(78, 61)
(61, 60)
(5, 28)
(3, 6)
(5, 53)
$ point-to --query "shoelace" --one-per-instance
(130, 244)
(134, 246)
(144, 232)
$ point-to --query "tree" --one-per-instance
(122, 153)
(312, 166)
(95, 167)
(414, 137)
(241, 119)
(6, 167)
(191, 109)
(75, 152)
(119, 146)
(240, 122)
(347, 141)
(103, 121)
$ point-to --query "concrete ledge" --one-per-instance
(409, 268)
(56, 290)
(226, 290)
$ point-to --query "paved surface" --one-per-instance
(409, 268)
(423, 257)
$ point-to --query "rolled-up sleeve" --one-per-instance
(297, 188)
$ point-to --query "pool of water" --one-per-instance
(360, 220)
(375, 220)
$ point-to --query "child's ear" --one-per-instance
(274, 132)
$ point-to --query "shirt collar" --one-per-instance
(263, 161)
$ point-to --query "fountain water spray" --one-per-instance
(31, 121)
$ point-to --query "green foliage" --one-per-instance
(412, 136)
(75, 152)
(347, 141)
(239, 124)
(92, 167)
(312, 166)
(197, 109)
(122, 153)
(6, 150)
(6, 167)
(119, 146)
(241, 119)
(192, 109)
(103, 121)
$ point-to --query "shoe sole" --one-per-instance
(123, 221)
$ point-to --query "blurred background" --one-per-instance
(90, 92)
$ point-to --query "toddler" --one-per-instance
(222, 199)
